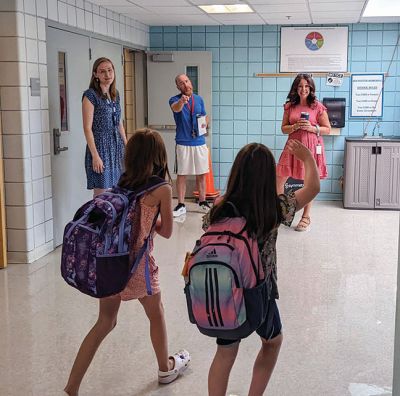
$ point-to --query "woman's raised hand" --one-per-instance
(298, 150)
(305, 125)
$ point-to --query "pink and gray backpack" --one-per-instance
(226, 291)
(95, 256)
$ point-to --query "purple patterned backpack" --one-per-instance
(95, 255)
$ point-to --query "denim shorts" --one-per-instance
(269, 329)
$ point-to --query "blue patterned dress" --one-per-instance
(108, 141)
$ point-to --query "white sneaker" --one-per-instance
(179, 210)
(204, 206)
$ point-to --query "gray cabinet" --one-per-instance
(372, 174)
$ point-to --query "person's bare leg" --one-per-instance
(305, 220)
(264, 365)
(280, 184)
(201, 186)
(108, 311)
(98, 191)
(181, 188)
(158, 331)
(220, 368)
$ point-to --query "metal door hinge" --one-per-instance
(90, 54)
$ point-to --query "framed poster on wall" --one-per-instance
(366, 95)
(314, 49)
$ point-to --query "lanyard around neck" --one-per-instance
(191, 110)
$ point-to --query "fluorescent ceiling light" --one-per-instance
(226, 9)
(382, 8)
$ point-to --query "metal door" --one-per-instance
(162, 68)
(67, 80)
(387, 190)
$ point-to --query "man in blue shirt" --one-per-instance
(191, 149)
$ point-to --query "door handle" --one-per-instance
(56, 142)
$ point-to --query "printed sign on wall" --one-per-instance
(314, 49)
(366, 95)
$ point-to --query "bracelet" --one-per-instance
(318, 130)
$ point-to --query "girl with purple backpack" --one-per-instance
(251, 191)
(145, 156)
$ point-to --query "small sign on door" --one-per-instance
(334, 79)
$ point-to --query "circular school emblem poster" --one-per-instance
(314, 41)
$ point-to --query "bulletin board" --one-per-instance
(314, 49)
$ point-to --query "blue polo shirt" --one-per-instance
(186, 121)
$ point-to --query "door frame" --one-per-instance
(3, 232)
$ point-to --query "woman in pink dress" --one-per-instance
(304, 119)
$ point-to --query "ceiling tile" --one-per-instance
(239, 19)
(175, 10)
(263, 9)
(332, 6)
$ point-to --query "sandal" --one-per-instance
(181, 362)
(304, 224)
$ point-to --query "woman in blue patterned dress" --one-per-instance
(104, 131)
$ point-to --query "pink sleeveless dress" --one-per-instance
(289, 165)
(136, 287)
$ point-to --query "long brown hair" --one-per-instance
(95, 83)
(145, 156)
(294, 98)
(252, 189)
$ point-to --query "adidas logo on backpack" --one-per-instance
(226, 292)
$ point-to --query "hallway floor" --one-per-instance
(337, 284)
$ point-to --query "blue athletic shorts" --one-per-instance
(270, 329)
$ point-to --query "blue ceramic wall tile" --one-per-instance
(240, 98)
(255, 39)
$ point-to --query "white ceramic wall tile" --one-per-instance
(41, 25)
(38, 213)
(46, 165)
(62, 12)
(18, 193)
(36, 144)
(12, 5)
(49, 230)
(72, 2)
(103, 12)
(32, 71)
(109, 14)
(16, 146)
(95, 9)
(35, 121)
(39, 233)
(34, 102)
(15, 122)
(30, 26)
(96, 23)
(103, 25)
(79, 4)
(12, 24)
(89, 21)
(45, 120)
(12, 49)
(88, 6)
(37, 168)
(52, 10)
(32, 54)
(19, 217)
(20, 240)
(17, 170)
(47, 187)
(41, 8)
(43, 75)
(110, 27)
(80, 18)
(48, 209)
(116, 30)
(46, 142)
(38, 190)
(71, 11)
(44, 96)
(14, 98)
(42, 52)
(13, 73)
(30, 6)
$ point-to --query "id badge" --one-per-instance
(318, 149)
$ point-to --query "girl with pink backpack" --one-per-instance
(145, 157)
(251, 192)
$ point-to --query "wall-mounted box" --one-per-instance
(336, 111)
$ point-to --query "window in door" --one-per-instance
(193, 73)
(62, 85)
